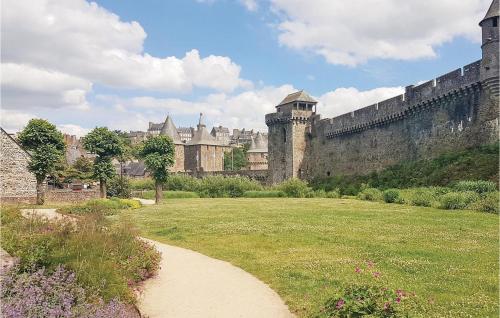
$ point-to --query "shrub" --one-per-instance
(332, 195)
(133, 204)
(457, 200)
(142, 184)
(106, 258)
(179, 182)
(223, 187)
(101, 206)
(264, 194)
(421, 197)
(294, 188)
(118, 187)
(488, 203)
(56, 294)
(480, 186)
(370, 194)
(180, 195)
(391, 196)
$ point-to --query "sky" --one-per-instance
(123, 64)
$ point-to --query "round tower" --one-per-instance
(489, 64)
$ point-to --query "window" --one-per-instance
(284, 135)
(328, 173)
(495, 22)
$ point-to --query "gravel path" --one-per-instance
(192, 285)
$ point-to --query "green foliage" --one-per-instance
(132, 204)
(371, 194)
(489, 203)
(102, 142)
(458, 200)
(181, 182)
(99, 206)
(158, 153)
(422, 197)
(46, 145)
(103, 168)
(264, 194)
(294, 188)
(391, 196)
(108, 259)
(479, 186)
(171, 195)
(142, 184)
(236, 159)
(223, 187)
(119, 187)
(473, 164)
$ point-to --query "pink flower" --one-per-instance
(376, 274)
(370, 264)
(398, 300)
(340, 304)
(358, 270)
(387, 305)
(399, 292)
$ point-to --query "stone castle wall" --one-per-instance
(450, 113)
(204, 157)
(17, 184)
(179, 159)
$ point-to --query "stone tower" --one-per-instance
(288, 135)
(489, 64)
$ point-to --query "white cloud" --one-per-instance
(344, 100)
(73, 130)
(13, 121)
(352, 32)
(25, 86)
(87, 41)
(250, 5)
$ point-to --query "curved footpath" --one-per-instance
(192, 285)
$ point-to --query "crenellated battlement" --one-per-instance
(419, 98)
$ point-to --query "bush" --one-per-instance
(98, 206)
(421, 197)
(294, 188)
(457, 200)
(391, 196)
(264, 194)
(142, 184)
(179, 182)
(108, 259)
(170, 195)
(133, 204)
(488, 203)
(480, 187)
(55, 294)
(370, 194)
(118, 187)
(332, 195)
(223, 187)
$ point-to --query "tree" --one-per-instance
(46, 145)
(236, 159)
(106, 145)
(158, 153)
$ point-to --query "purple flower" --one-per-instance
(376, 274)
(340, 303)
(358, 270)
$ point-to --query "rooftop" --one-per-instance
(299, 96)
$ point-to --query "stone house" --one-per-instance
(17, 183)
(221, 134)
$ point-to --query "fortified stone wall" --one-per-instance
(204, 157)
(17, 184)
(179, 159)
(452, 112)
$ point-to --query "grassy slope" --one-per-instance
(306, 248)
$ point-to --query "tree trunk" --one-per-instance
(40, 194)
(102, 187)
(158, 192)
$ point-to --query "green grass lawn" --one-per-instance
(306, 249)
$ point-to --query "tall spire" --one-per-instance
(170, 130)
(201, 122)
(493, 11)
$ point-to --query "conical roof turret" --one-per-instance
(493, 11)
(170, 130)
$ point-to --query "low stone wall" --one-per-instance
(18, 200)
(70, 195)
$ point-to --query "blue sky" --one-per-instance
(123, 63)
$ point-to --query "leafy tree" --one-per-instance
(106, 145)
(84, 168)
(158, 153)
(46, 145)
(236, 159)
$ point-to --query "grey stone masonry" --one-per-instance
(16, 182)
